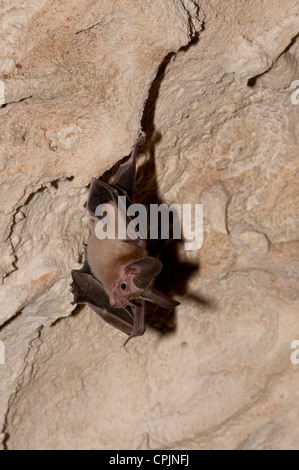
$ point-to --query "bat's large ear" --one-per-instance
(144, 270)
(156, 297)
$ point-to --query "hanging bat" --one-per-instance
(116, 278)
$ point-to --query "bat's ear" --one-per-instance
(156, 297)
(144, 270)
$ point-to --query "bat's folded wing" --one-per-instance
(99, 193)
(158, 298)
(90, 291)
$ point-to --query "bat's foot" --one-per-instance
(141, 139)
(139, 332)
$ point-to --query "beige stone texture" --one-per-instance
(213, 85)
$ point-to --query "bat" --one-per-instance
(116, 278)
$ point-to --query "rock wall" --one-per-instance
(212, 83)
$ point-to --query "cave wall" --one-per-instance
(210, 82)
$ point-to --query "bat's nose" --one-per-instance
(118, 301)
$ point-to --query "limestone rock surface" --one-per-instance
(213, 85)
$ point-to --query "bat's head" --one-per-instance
(135, 283)
(137, 276)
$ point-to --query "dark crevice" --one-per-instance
(11, 319)
(55, 184)
(252, 81)
(87, 29)
(193, 31)
(16, 101)
(5, 440)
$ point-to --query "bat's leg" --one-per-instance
(139, 321)
(125, 177)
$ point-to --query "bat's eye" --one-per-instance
(123, 286)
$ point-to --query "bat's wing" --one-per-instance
(124, 182)
(100, 193)
(125, 177)
(139, 320)
(156, 297)
(122, 185)
(90, 291)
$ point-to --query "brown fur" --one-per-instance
(108, 258)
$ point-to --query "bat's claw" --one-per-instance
(139, 332)
(141, 139)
